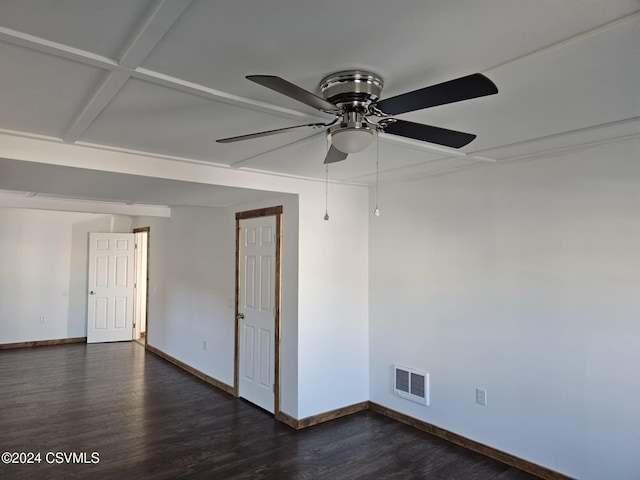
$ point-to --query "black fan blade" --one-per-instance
(334, 155)
(463, 88)
(284, 87)
(268, 133)
(428, 133)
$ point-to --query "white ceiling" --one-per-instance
(167, 78)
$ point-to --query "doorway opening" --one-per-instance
(141, 285)
(258, 302)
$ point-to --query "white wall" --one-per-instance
(328, 331)
(522, 279)
(192, 290)
(289, 318)
(43, 273)
(333, 313)
(324, 343)
(519, 278)
(80, 230)
(191, 271)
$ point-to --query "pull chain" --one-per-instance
(376, 212)
(326, 193)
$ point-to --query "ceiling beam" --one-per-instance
(241, 163)
(558, 143)
(151, 30)
(634, 17)
(9, 200)
(57, 49)
(220, 96)
(111, 85)
(156, 24)
(431, 147)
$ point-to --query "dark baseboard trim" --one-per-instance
(188, 368)
(321, 417)
(42, 343)
(298, 424)
(287, 419)
(332, 414)
(469, 444)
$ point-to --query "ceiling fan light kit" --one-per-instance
(351, 139)
(353, 91)
(353, 96)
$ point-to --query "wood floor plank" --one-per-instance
(148, 419)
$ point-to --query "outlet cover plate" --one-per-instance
(481, 396)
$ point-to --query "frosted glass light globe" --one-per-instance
(351, 140)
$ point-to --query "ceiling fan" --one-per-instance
(353, 96)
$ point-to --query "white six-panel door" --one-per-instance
(110, 287)
(257, 298)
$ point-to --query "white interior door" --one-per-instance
(111, 277)
(257, 311)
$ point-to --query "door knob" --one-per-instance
(240, 316)
(92, 292)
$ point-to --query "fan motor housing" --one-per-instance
(352, 89)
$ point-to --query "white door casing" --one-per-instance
(110, 287)
(257, 311)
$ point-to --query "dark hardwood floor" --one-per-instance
(148, 419)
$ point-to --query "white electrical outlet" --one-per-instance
(481, 396)
(42, 320)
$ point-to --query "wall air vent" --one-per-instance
(411, 384)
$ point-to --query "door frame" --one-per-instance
(261, 212)
(146, 266)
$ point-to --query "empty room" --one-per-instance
(287, 239)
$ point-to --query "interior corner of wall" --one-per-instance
(120, 224)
